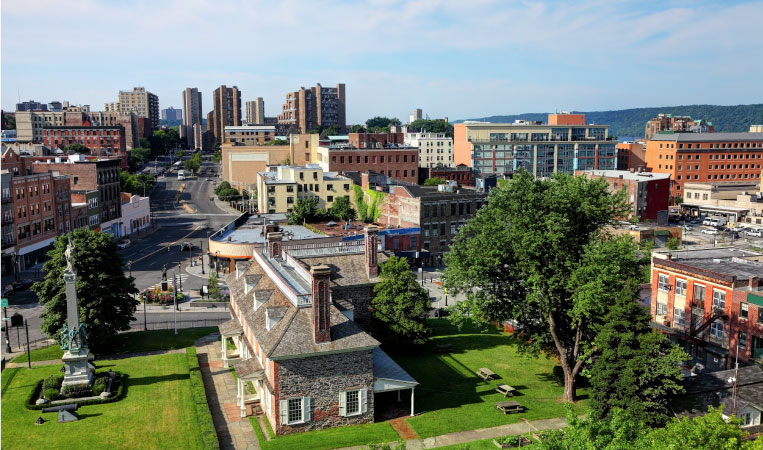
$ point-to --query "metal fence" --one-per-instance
(169, 325)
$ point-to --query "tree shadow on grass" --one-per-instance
(143, 381)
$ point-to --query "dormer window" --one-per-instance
(274, 315)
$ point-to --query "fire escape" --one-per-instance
(697, 328)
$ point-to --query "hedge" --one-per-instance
(203, 415)
(121, 392)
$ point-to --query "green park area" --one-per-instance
(451, 397)
(157, 411)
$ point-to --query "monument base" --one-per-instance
(77, 368)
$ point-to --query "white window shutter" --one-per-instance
(342, 404)
(363, 400)
(307, 410)
(284, 412)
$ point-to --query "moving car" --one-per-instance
(710, 231)
(186, 246)
(124, 244)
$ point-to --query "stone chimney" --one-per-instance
(372, 263)
(321, 303)
(274, 244)
(754, 283)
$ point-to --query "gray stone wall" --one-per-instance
(359, 297)
(322, 378)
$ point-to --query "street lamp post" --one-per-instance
(217, 263)
(201, 254)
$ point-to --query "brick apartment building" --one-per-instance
(375, 140)
(308, 109)
(669, 122)
(312, 366)
(398, 162)
(439, 211)
(710, 301)
(701, 157)
(103, 141)
(461, 174)
(648, 193)
(631, 155)
(226, 104)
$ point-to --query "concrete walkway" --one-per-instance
(463, 437)
(233, 432)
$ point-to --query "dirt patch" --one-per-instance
(403, 429)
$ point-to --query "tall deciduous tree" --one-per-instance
(400, 302)
(341, 209)
(104, 293)
(538, 253)
(77, 148)
(635, 368)
(305, 210)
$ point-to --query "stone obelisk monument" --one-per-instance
(73, 336)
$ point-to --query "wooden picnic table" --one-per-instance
(505, 389)
(509, 407)
(486, 374)
(444, 348)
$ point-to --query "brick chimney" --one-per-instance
(274, 244)
(372, 263)
(321, 302)
(754, 283)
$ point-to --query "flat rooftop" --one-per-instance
(727, 261)
(709, 137)
(252, 232)
(628, 175)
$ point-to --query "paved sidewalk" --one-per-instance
(463, 437)
(233, 432)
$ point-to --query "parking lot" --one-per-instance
(695, 232)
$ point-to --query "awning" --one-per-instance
(230, 328)
(755, 299)
(388, 375)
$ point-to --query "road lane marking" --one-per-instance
(164, 249)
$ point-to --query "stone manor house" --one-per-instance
(297, 341)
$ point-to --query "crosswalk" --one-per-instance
(178, 278)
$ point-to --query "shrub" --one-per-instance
(50, 394)
(203, 415)
(52, 382)
(77, 390)
(101, 381)
(119, 385)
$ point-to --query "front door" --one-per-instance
(757, 347)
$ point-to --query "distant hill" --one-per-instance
(631, 122)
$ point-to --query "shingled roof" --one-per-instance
(346, 270)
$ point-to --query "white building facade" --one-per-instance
(435, 149)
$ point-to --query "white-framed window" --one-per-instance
(744, 310)
(716, 329)
(719, 299)
(295, 410)
(678, 317)
(353, 402)
(699, 293)
(746, 419)
(663, 282)
(662, 309)
(680, 287)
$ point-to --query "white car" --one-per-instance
(688, 227)
(756, 233)
(124, 244)
(710, 231)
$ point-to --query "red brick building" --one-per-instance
(103, 141)
(648, 193)
(710, 301)
(375, 140)
(400, 163)
(461, 174)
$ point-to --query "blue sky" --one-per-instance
(458, 59)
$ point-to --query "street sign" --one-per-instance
(4, 303)
(204, 289)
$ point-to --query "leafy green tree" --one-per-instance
(77, 148)
(217, 157)
(139, 184)
(710, 431)
(400, 302)
(432, 126)
(538, 253)
(222, 186)
(228, 194)
(104, 293)
(145, 143)
(10, 122)
(619, 431)
(434, 181)
(357, 129)
(672, 243)
(140, 154)
(179, 155)
(277, 142)
(305, 210)
(214, 287)
(635, 368)
(194, 164)
(341, 209)
(380, 124)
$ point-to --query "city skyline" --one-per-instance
(450, 59)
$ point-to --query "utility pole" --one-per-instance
(28, 351)
(7, 335)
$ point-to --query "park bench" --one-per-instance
(509, 407)
(444, 348)
(505, 390)
(486, 374)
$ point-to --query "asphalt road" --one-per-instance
(191, 220)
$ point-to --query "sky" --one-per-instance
(458, 59)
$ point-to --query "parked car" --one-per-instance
(688, 227)
(710, 231)
(124, 244)
(756, 233)
(695, 222)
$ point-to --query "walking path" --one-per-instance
(233, 431)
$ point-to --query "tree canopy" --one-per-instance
(76, 147)
(104, 293)
(304, 210)
(434, 181)
(136, 184)
(400, 302)
(538, 253)
(140, 155)
(380, 124)
(194, 164)
(341, 209)
(432, 126)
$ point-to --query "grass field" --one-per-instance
(484, 444)
(137, 341)
(451, 397)
(332, 437)
(156, 413)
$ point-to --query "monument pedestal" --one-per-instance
(77, 368)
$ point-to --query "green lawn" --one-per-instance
(136, 341)
(332, 437)
(156, 413)
(451, 397)
(484, 444)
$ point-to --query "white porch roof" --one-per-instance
(388, 375)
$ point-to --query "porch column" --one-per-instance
(412, 390)
(225, 351)
(243, 404)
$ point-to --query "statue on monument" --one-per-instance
(69, 256)
(164, 272)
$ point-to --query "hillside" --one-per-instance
(631, 122)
